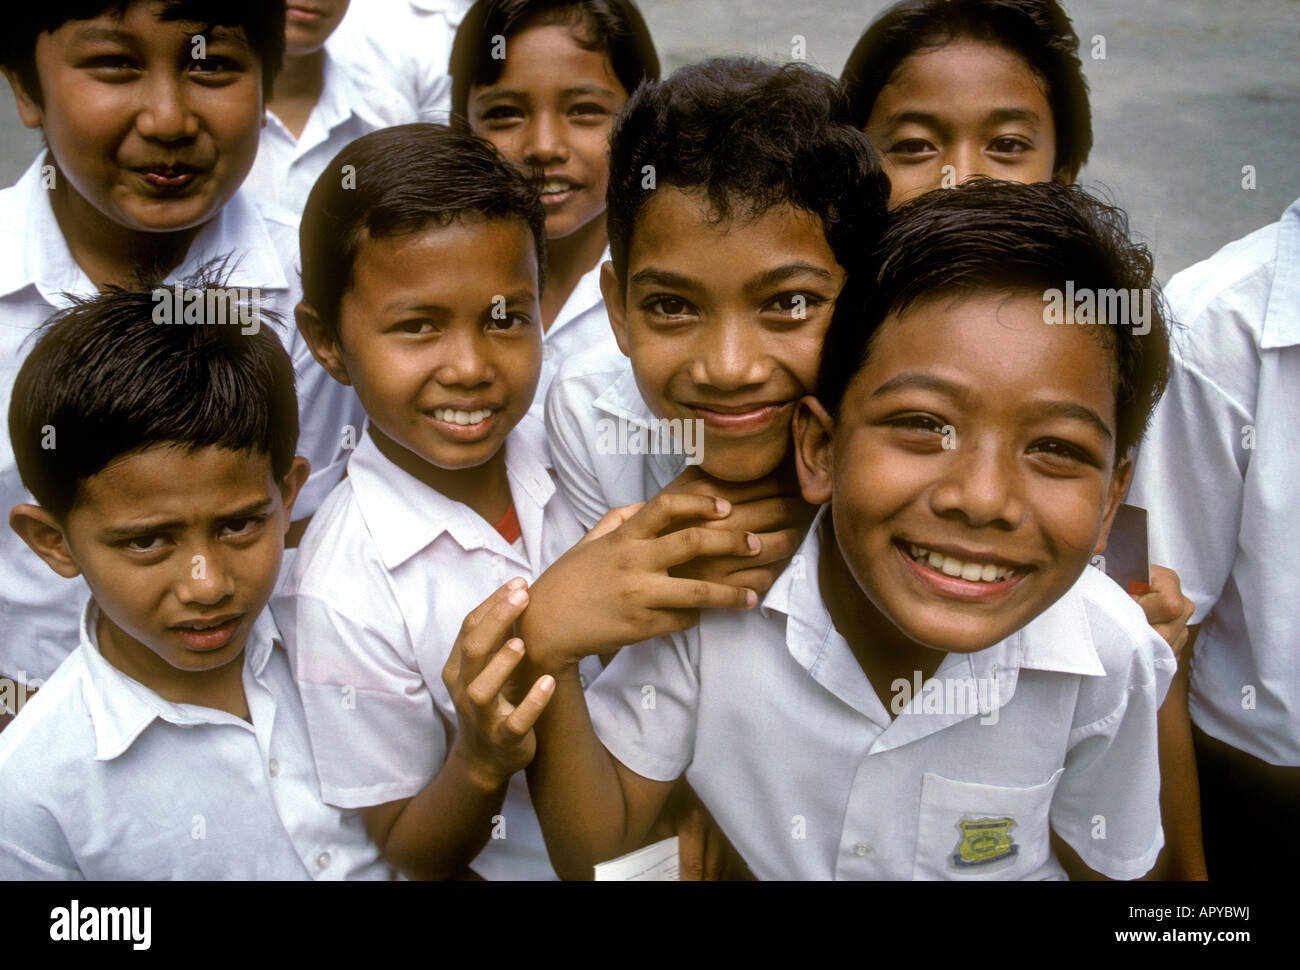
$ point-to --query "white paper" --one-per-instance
(654, 863)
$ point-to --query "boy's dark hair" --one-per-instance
(399, 180)
(1039, 31)
(986, 235)
(613, 27)
(261, 20)
(750, 136)
(105, 380)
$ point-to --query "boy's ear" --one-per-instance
(294, 479)
(28, 110)
(323, 342)
(1114, 496)
(45, 537)
(615, 304)
(813, 430)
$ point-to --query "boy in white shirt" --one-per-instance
(421, 291)
(147, 145)
(318, 108)
(1217, 474)
(937, 687)
(172, 743)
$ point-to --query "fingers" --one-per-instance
(692, 832)
(525, 715)
(484, 689)
(487, 626)
(672, 593)
(1164, 602)
(684, 545)
(611, 520)
(667, 507)
(771, 514)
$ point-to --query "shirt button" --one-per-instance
(548, 351)
(322, 859)
(862, 849)
(582, 681)
(273, 767)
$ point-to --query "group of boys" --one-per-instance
(500, 649)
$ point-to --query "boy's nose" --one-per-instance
(165, 113)
(981, 485)
(204, 580)
(465, 361)
(544, 142)
(730, 358)
(967, 161)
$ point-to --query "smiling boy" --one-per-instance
(150, 112)
(171, 744)
(964, 567)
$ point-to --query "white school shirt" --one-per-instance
(401, 50)
(287, 168)
(783, 738)
(591, 395)
(38, 609)
(1219, 475)
(581, 324)
(101, 778)
(385, 575)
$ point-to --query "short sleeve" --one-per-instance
(1107, 805)
(375, 732)
(644, 706)
(566, 406)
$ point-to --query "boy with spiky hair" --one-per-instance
(171, 744)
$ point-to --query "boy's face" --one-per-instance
(173, 541)
(309, 23)
(972, 469)
(724, 322)
(967, 108)
(440, 334)
(148, 135)
(550, 111)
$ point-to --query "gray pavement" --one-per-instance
(1189, 92)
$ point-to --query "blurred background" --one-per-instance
(1189, 92)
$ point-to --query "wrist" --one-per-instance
(482, 773)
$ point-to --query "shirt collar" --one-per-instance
(340, 101)
(1059, 639)
(38, 254)
(586, 296)
(1282, 318)
(404, 515)
(121, 708)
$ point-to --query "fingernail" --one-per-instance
(751, 599)
(547, 683)
(724, 507)
(515, 644)
(517, 583)
(753, 542)
(519, 597)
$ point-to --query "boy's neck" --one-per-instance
(484, 488)
(883, 651)
(221, 688)
(298, 88)
(108, 252)
(567, 261)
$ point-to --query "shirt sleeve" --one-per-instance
(375, 731)
(571, 450)
(32, 843)
(1191, 466)
(645, 704)
(1107, 805)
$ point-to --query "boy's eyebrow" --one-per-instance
(582, 89)
(525, 295)
(780, 274)
(1000, 115)
(997, 116)
(122, 532)
(1051, 409)
(92, 33)
(653, 276)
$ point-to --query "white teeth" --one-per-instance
(554, 188)
(985, 572)
(452, 416)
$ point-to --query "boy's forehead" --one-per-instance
(178, 480)
(144, 18)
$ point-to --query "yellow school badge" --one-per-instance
(984, 842)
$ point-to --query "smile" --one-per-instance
(207, 635)
(465, 424)
(986, 572)
(962, 579)
(743, 419)
(453, 416)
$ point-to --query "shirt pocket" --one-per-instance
(972, 831)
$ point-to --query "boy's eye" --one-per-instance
(666, 306)
(153, 543)
(512, 321)
(415, 327)
(248, 525)
(589, 109)
(797, 305)
(912, 146)
(1009, 145)
(110, 64)
(919, 422)
(1062, 452)
(502, 113)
